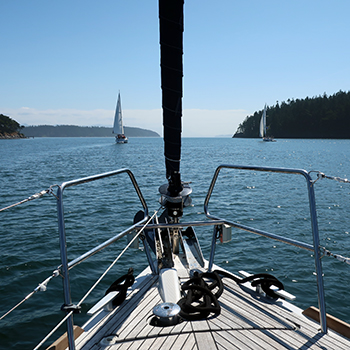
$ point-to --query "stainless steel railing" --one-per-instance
(65, 266)
(314, 226)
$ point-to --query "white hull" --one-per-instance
(268, 139)
(118, 128)
(121, 139)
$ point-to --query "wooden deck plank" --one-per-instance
(300, 342)
(248, 337)
(236, 342)
(170, 341)
(222, 325)
(229, 321)
(181, 342)
(212, 325)
(191, 343)
(247, 321)
(103, 327)
(175, 332)
(160, 334)
(220, 347)
(136, 326)
(148, 343)
(311, 329)
(306, 332)
(203, 336)
(254, 320)
(245, 306)
(139, 314)
(159, 341)
(260, 338)
(307, 326)
(223, 342)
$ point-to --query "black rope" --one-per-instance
(200, 301)
(264, 279)
(197, 291)
(121, 287)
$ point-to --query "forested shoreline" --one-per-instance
(11, 129)
(326, 117)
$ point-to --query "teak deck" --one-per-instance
(247, 321)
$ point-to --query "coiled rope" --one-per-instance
(199, 301)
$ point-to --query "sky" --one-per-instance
(64, 62)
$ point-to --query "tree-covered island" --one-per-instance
(9, 128)
(326, 117)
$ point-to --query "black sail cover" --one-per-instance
(171, 51)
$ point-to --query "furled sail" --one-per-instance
(171, 50)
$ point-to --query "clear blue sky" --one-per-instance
(63, 62)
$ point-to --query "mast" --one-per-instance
(171, 51)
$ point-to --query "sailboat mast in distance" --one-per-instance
(262, 128)
(262, 131)
(118, 128)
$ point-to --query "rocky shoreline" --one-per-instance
(12, 136)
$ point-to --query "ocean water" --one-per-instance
(94, 212)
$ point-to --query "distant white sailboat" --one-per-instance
(262, 130)
(118, 127)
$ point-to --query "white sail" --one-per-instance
(262, 131)
(118, 120)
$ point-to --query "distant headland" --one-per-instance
(10, 129)
(82, 131)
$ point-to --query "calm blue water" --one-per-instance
(94, 212)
